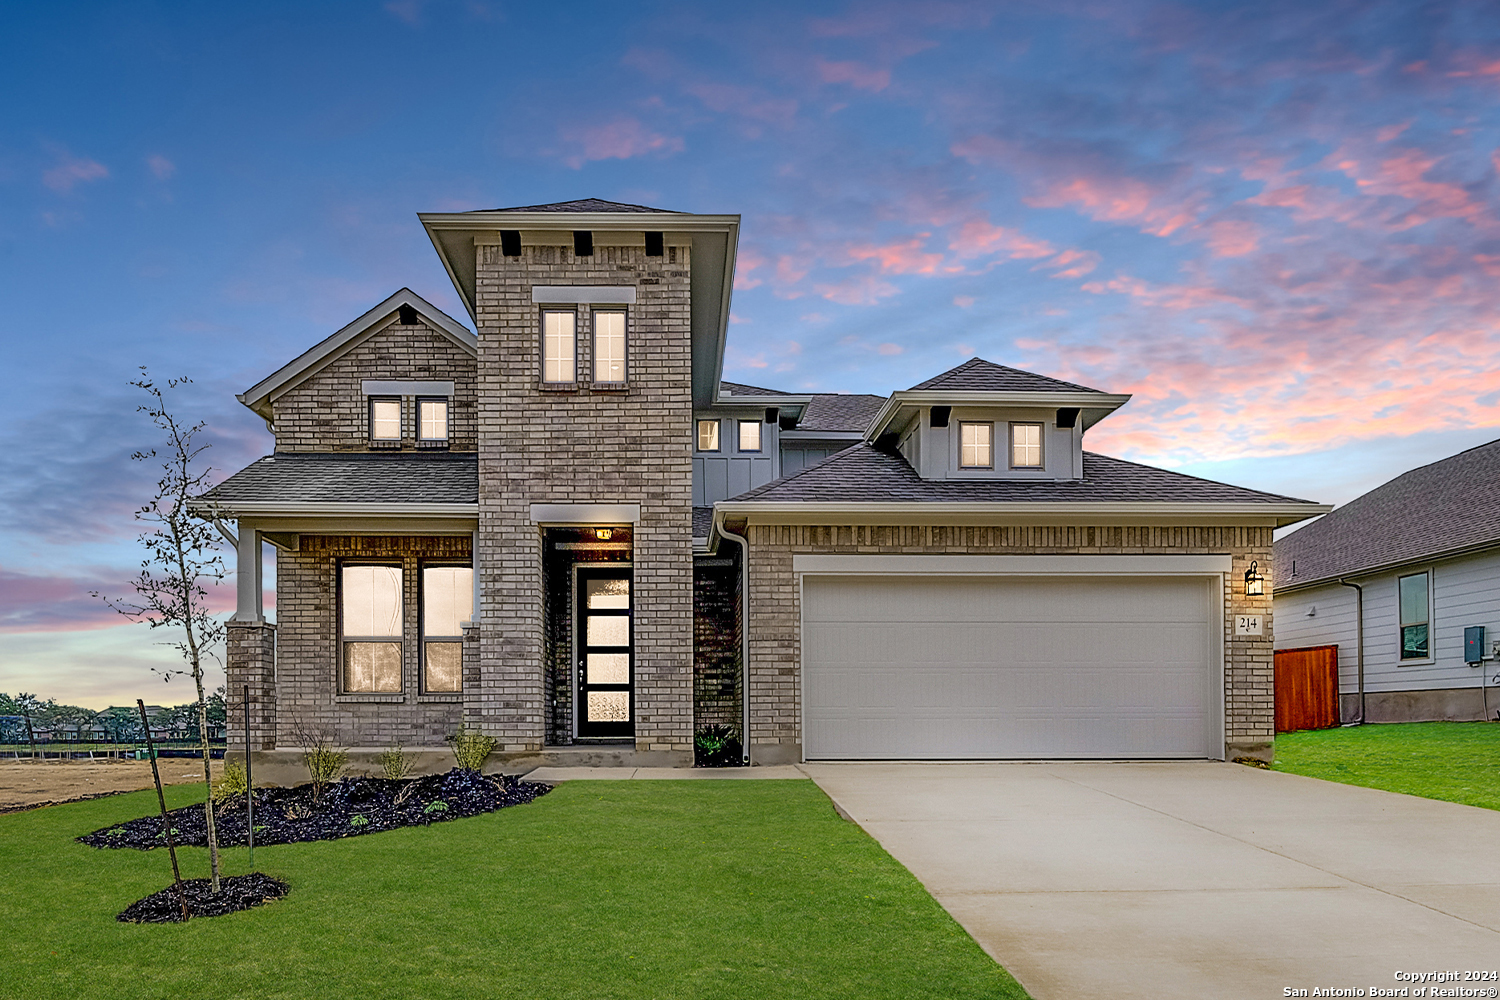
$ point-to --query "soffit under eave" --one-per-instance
(843, 516)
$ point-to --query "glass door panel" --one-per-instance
(606, 697)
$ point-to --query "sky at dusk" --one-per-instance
(1276, 224)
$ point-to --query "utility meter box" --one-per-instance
(1474, 644)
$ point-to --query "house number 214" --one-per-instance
(1248, 625)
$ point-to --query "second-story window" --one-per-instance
(1025, 446)
(385, 420)
(559, 346)
(708, 435)
(609, 346)
(976, 445)
(749, 435)
(432, 422)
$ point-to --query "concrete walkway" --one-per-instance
(1190, 880)
(552, 775)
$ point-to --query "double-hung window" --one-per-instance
(447, 602)
(559, 346)
(1025, 446)
(609, 347)
(370, 628)
(432, 423)
(385, 420)
(708, 435)
(1416, 613)
(976, 444)
(749, 435)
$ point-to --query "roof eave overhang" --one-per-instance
(989, 513)
(798, 403)
(243, 508)
(1095, 406)
(1457, 552)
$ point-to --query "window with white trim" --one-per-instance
(749, 435)
(432, 422)
(609, 346)
(976, 444)
(1025, 446)
(559, 346)
(370, 628)
(708, 435)
(1414, 593)
(447, 602)
(385, 419)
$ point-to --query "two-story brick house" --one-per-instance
(568, 532)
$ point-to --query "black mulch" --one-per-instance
(346, 808)
(237, 892)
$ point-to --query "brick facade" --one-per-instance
(307, 676)
(776, 613)
(250, 659)
(329, 411)
(716, 644)
(583, 445)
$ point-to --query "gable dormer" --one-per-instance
(983, 421)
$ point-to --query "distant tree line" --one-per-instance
(25, 718)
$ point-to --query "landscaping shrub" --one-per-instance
(471, 748)
(324, 759)
(233, 783)
(717, 746)
(396, 764)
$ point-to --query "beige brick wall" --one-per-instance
(583, 446)
(307, 677)
(329, 412)
(776, 613)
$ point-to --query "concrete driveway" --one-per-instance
(1188, 879)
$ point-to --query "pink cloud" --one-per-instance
(1118, 199)
(978, 238)
(855, 75)
(622, 139)
(1232, 237)
(161, 167)
(745, 262)
(746, 102)
(70, 171)
(36, 603)
(1071, 263)
(964, 301)
(907, 257)
(889, 350)
(864, 290)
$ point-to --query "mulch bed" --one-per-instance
(348, 808)
(237, 892)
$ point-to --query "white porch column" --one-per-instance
(249, 590)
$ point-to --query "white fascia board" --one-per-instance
(583, 294)
(877, 564)
(801, 435)
(292, 509)
(653, 222)
(346, 338)
(937, 397)
(1125, 513)
(586, 513)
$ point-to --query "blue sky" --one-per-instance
(1277, 224)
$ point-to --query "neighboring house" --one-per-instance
(569, 533)
(1421, 556)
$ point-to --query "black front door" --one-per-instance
(606, 698)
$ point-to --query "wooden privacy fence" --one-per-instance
(1307, 688)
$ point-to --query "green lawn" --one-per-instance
(1454, 761)
(627, 889)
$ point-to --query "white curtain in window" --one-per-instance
(609, 346)
(558, 342)
(447, 599)
(372, 601)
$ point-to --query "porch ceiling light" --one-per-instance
(1255, 584)
(603, 534)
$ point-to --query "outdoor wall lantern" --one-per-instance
(1255, 584)
(603, 534)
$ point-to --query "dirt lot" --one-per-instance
(25, 783)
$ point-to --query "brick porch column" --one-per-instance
(250, 659)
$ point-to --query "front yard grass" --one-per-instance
(627, 889)
(1453, 761)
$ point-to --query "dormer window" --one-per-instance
(1025, 446)
(749, 435)
(976, 445)
(385, 420)
(432, 423)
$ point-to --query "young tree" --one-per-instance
(181, 556)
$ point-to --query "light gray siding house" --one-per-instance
(563, 528)
(1415, 562)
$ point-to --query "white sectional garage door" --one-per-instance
(913, 667)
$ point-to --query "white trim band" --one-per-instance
(404, 387)
(583, 294)
(958, 565)
(586, 513)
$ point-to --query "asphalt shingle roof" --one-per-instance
(741, 389)
(703, 521)
(399, 477)
(582, 205)
(866, 474)
(980, 375)
(1447, 506)
(831, 411)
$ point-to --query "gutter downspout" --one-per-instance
(1359, 643)
(744, 545)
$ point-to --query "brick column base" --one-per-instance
(251, 660)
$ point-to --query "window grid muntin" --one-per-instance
(712, 444)
(1025, 445)
(749, 429)
(380, 408)
(611, 346)
(559, 346)
(424, 426)
(976, 444)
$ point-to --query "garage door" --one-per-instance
(908, 667)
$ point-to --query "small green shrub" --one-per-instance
(359, 821)
(115, 831)
(231, 783)
(471, 748)
(324, 759)
(717, 746)
(396, 764)
(438, 806)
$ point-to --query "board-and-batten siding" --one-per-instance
(1466, 591)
